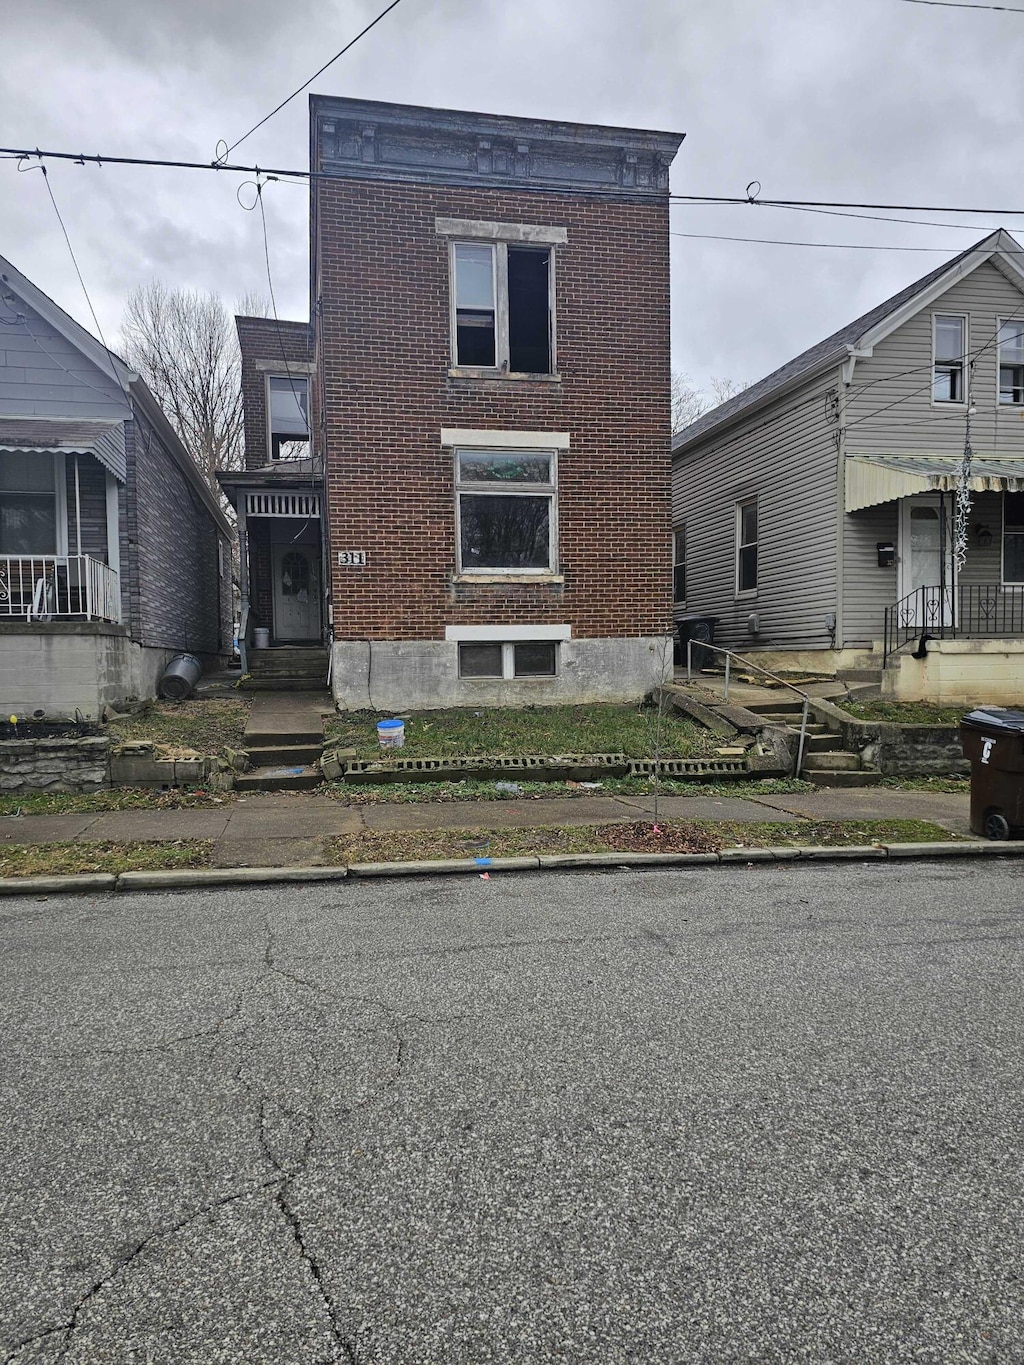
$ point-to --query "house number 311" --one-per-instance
(351, 559)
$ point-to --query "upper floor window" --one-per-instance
(1011, 362)
(506, 511)
(503, 295)
(950, 351)
(679, 564)
(746, 546)
(288, 410)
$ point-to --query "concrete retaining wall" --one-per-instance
(898, 750)
(392, 675)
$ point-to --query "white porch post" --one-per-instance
(114, 537)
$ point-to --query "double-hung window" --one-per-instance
(1011, 363)
(679, 564)
(288, 406)
(502, 307)
(28, 503)
(1013, 537)
(507, 515)
(746, 546)
(950, 353)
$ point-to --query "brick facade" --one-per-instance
(384, 351)
(275, 344)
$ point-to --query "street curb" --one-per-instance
(260, 876)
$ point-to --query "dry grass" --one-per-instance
(71, 859)
(186, 728)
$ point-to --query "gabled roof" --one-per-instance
(867, 330)
(132, 386)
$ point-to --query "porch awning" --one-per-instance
(871, 479)
(105, 440)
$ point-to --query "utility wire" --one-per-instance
(834, 246)
(307, 84)
(961, 4)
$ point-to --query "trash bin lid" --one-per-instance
(995, 718)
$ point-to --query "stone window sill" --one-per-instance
(497, 377)
(540, 579)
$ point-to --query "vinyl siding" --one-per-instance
(43, 375)
(784, 455)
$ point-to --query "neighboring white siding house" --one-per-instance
(820, 504)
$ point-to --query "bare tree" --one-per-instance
(184, 345)
(689, 402)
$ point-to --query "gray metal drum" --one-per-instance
(180, 677)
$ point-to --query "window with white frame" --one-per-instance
(950, 352)
(504, 659)
(506, 511)
(1013, 537)
(288, 412)
(28, 503)
(1011, 363)
(679, 564)
(502, 297)
(746, 546)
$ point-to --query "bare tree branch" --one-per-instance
(689, 402)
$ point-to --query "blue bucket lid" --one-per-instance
(390, 724)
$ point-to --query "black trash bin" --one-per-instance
(701, 630)
(993, 741)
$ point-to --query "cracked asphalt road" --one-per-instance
(750, 1115)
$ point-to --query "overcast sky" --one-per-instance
(867, 100)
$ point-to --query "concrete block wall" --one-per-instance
(68, 669)
(960, 672)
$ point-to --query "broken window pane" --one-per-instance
(479, 661)
(505, 532)
(495, 466)
(535, 659)
(529, 310)
(474, 304)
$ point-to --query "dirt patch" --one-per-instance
(643, 837)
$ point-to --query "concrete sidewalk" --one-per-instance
(282, 830)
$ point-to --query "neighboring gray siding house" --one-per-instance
(816, 512)
(114, 554)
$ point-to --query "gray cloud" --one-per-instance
(876, 101)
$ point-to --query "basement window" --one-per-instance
(502, 307)
(509, 660)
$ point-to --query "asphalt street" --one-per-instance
(766, 1114)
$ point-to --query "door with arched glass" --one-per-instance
(296, 592)
(927, 567)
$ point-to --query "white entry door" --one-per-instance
(927, 568)
(296, 592)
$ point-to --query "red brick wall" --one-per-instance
(265, 339)
(385, 350)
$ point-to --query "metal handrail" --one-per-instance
(731, 654)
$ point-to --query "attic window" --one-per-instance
(950, 353)
(288, 408)
(1011, 363)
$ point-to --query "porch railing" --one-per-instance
(968, 611)
(58, 587)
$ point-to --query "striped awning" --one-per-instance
(104, 439)
(873, 479)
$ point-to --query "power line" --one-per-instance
(834, 246)
(961, 4)
(307, 84)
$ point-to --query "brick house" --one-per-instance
(114, 553)
(488, 389)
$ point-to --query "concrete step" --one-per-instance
(829, 777)
(860, 675)
(775, 708)
(837, 760)
(295, 777)
(289, 684)
(284, 754)
(822, 742)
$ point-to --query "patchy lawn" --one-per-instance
(952, 783)
(697, 836)
(413, 793)
(904, 712)
(114, 798)
(184, 728)
(70, 859)
(515, 732)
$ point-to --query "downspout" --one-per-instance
(845, 377)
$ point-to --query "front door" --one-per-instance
(927, 570)
(296, 592)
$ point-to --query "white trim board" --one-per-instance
(501, 634)
(505, 440)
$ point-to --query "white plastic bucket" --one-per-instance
(261, 637)
(391, 733)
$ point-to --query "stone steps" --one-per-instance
(826, 763)
(297, 777)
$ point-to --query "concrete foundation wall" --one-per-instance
(393, 675)
(63, 669)
(967, 672)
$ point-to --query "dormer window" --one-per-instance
(288, 409)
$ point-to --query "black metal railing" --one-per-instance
(968, 611)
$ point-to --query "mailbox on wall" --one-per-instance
(886, 554)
